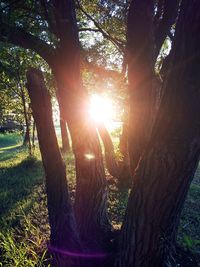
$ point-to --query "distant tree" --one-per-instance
(13, 65)
(12, 70)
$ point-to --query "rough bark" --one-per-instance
(140, 47)
(164, 174)
(61, 217)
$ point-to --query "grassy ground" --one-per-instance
(22, 243)
(24, 229)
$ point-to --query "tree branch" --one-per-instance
(45, 7)
(117, 43)
(169, 18)
(19, 37)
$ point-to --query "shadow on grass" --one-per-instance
(17, 182)
(10, 152)
(10, 139)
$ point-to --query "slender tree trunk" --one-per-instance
(140, 47)
(126, 179)
(33, 136)
(111, 162)
(63, 127)
(64, 235)
(64, 135)
(123, 143)
(27, 139)
(164, 174)
(117, 168)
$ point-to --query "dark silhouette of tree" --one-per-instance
(167, 167)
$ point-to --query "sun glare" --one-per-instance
(101, 109)
(89, 156)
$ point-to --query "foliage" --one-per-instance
(14, 63)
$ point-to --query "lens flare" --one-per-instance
(76, 254)
(89, 156)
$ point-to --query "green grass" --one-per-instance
(22, 235)
(7, 140)
(189, 230)
(24, 228)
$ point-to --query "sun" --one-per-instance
(101, 109)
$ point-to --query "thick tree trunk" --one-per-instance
(164, 174)
(90, 208)
(64, 235)
(91, 187)
(140, 47)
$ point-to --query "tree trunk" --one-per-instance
(33, 136)
(117, 168)
(64, 235)
(123, 143)
(63, 127)
(90, 208)
(140, 47)
(164, 174)
(91, 187)
(111, 162)
(27, 139)
(64, 135)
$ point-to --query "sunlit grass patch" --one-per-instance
(25, 245)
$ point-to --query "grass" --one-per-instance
(189, 230)
(22, 239)
(24, 228)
